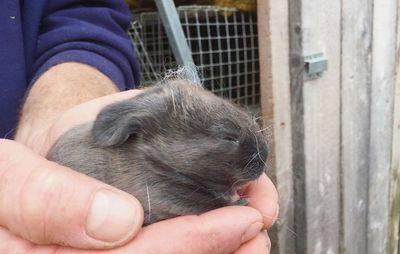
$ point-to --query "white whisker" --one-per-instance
(252, 158)
(256, 118)
(198, 188)
(148, 200)
(264, 129)
(281, 223)
(258, 150)
(173, 100)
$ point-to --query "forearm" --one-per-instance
(57, 90)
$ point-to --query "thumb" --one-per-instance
(222, 231)
(46, 203)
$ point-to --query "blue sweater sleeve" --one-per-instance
(90, 32)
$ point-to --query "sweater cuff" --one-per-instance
(99, 62)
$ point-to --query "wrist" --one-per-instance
(56, 91)
(32, 135)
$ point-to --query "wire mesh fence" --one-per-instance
(224, 47)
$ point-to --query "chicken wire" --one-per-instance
(148, 73)
(224, 47)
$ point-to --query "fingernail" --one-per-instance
(252, 231)
(111, 218)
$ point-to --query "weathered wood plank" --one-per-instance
(267, 100)
(264, 42)
(356, 85)
(297, 127)
(382, 93)
(321, 24)
(394, 221)
(274, 67)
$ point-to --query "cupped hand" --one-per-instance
(44, 203)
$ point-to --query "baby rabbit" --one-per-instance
(177, 148)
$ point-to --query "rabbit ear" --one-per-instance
(116, 123)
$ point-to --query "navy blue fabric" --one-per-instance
(38, 34)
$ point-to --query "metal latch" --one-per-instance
(314, 66)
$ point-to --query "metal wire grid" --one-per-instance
(148, 73)
(224, 47)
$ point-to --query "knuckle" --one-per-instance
(36, 202)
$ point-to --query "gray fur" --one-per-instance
(178, 148)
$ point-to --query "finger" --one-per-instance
(46, 203)
(219, 231)
(259, 245)
(263, 196)
(82, 113)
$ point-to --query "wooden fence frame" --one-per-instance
(336, 138)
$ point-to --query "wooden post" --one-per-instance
(309, 133)
(296, 65)
(321, 28)
(337, 138)
(394, 221)
(267, 100)
(275, 81)
(356, 92)
(382, 93)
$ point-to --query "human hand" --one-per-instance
(193, 231)
(50, 205)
